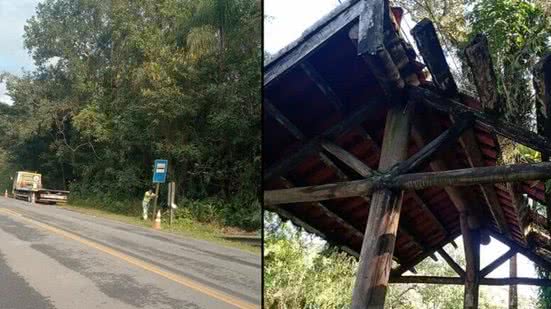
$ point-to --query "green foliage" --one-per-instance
(119, 84)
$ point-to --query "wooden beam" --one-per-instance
(429, 46)
(451, 262)
(471, 243)
(322, 85)
(313, 146)
(497, 262)
(474, 176)
(428, 151)
(474, 157)
(311, 40)
(459, 281)
(384, 215)
(416, 181)
(479, 60)
(450, 106)
(347, 158)
(284, 121)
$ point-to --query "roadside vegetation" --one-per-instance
(118, 84)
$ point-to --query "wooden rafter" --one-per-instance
(275, 113)
(312, 147)
(322, 85)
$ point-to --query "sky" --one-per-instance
(13, 56)
(284, 25)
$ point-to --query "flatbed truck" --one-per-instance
(28, 186)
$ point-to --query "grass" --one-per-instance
(185, 227)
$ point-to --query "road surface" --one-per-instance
(57, 258)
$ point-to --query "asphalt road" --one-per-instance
(57, 258)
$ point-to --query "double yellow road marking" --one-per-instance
(139, 263)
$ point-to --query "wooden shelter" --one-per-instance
(381, 155)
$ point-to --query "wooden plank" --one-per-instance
(322, 85)
(284, 121)
(497, 262)
(471, 243)
(450, 106)
(382, 224)
(479, 60)
(312, 40)
(459, 281)
(416, 181)
(429, 46)
(451, 262)
(312, 147)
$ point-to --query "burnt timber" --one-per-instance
(344, 107)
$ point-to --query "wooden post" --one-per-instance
(382, 223)
(513, 296)
(471, 241)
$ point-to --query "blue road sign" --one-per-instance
(159, 173)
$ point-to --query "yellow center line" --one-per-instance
(141, 264)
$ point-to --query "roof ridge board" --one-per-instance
(310, 31)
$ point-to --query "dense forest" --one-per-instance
(118, 84)
(302, 271)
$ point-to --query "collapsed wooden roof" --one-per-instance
(324, 120)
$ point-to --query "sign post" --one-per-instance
(159, 176)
